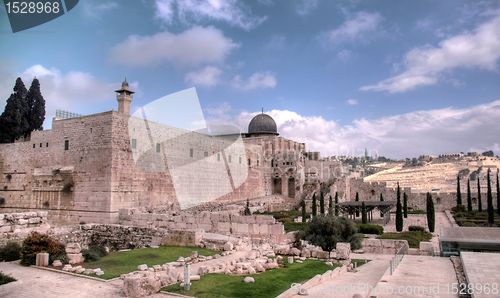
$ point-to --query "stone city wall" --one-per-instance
(370, 191)
(83, 169)
(117, 237)
(260, 226)
(16, 226)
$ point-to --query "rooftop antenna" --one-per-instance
(262, 110)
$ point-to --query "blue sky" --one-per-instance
(400, 78)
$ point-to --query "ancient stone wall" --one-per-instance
(263, 226)
(65, 170)
(370, 191)
(16, 226)
(117, 237)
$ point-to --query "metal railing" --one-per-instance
(398, 257)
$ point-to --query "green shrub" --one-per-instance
(458, 209)
(370, 229)
(416, 229)
(94, 253)
(326, 231)
(10, 252)
(4, 278)
(36, 243)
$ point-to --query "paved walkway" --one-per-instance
(483, 272)
(33, 282)
(350, 283)
(418, 276)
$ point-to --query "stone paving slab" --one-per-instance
(418, 276)
(482, 270)
(33, 282)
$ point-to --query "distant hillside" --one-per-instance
(437, 175)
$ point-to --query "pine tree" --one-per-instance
(330, 205)
(498, 195)
(491, 213)
(430, 213)
(357, 200)
(479, 203)
(469, 197)
(304, 213)
(405, 205)
(399, 214)
(336, 204)
(12, 121)
(459, 192)
(321, 203)
(36, 103)
(314, 207)
(363, 213)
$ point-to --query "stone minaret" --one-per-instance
(124, 98)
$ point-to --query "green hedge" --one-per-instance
(416, 229)
(10, 252)
(370, 229)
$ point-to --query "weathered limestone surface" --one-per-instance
(16, 226)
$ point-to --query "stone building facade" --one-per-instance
(87, 168)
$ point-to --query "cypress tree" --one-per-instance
(469, 197)
(36, 104)
(459, 192)
(321, 203)
(405, 205)
(399, 214)
(304, 213)
(430, 213)
(336, 204)
(357, 200)
(363, 213)
(498, 195)
(330, 205)
(314, 207)
(491, 213)
(381, 200)
(479, 203)
(247, 209)
(13, 122)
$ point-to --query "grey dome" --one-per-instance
(262, 124)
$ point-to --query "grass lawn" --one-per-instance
(267, 284)
(120, 262)
(286, 217)
(413, 237)
(475, 219)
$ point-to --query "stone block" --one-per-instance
(75, 258)
(42, 259)
(57, 263)
(343, 251)
(73, 248)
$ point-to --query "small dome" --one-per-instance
(262, 124)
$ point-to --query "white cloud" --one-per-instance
(208, 76)
(72, 91)
(305, 7)
(355, 28)
(232, 12)
(192, 47)
(352, 102)
(255, 81)
(96, 9)
(344, 55)
(406, 135)
(427, 65)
